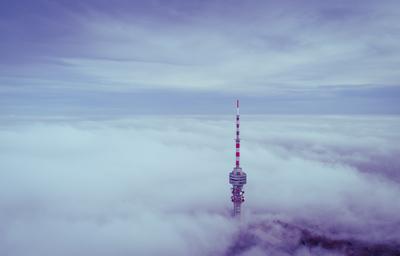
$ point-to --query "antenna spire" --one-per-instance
(237, 135)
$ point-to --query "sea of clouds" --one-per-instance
(158, 185)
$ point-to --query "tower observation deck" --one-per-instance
(237, 177)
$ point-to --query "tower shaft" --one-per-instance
(237, 177)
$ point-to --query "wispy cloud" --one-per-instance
(251, 47)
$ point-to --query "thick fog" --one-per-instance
(154, 185)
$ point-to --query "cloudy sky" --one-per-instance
(116, 127)
(160, 57)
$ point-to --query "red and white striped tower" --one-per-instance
(237, 177)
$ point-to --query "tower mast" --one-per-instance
(237, 177)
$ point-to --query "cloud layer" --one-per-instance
(158, 185)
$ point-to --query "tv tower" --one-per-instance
(237, 177)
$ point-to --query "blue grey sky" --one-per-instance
(196, 57)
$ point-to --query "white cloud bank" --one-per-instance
(158, 185)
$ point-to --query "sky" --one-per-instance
(117, 127)
(158, 185)
(194, 57)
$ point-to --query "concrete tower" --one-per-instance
(237, 177)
